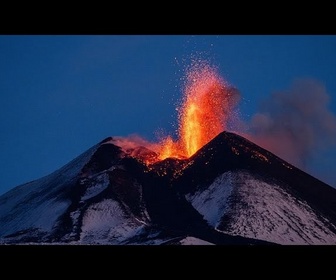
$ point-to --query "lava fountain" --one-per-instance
(206, 107)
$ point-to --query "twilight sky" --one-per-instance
(60, 95)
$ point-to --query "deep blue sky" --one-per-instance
(60, 95)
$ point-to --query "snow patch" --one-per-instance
(194, 241)
(212, 202)
(106, 222)
(96, 186)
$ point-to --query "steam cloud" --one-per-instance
(295, 124)
(134, 141)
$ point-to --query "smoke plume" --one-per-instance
(296, 123)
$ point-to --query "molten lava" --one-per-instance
(206, 109)
(203, 114)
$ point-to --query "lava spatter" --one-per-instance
(206, 106)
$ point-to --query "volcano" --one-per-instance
(231, 191)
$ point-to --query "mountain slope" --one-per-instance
(242, 189)
(230, 192)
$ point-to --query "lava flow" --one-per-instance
(204, 112)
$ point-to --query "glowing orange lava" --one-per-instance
(203, 114)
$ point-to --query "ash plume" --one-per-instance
(296, 123)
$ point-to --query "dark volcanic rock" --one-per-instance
(230, 192)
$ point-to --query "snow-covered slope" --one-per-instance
(239, 203)
(241, 189)
(82, 202)
(36, 205)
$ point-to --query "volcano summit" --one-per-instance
(231, 191)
